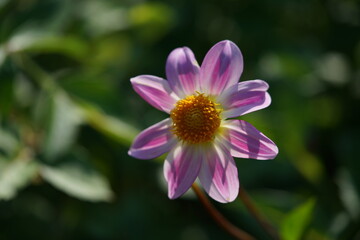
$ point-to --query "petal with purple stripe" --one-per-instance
(156, 91)
(181, 168)
(221, 68)
(153, 141)
(246, 141)
(182, 72)
(244, 97)
(219, 175)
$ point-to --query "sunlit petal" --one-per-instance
(153, 141)
(219, 175)
(183, 71)
(155, 91)
(221, 68)
(246, 141)
(245, 97)
(181, 168)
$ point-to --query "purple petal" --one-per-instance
(221, 68)
(182, 71)
(155, 91)
(247, 142)
(181, 168)
(244, 97)
(153, 141)
(219, 175)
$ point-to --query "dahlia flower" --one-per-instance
(200, 134)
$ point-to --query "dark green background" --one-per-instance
(68, 115)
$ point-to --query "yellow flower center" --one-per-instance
(195, 119)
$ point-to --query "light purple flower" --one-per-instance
(199, 136)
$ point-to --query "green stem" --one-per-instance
(113, 127)
(42, 78)
(219, 218)
(269, 229)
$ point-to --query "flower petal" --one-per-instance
(156, 91)
(181, 168)
(244, 97)
(183, 72)
(153, 141)
(221, 68)
(247, 142)
(219, 175)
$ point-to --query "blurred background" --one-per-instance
(68, 115)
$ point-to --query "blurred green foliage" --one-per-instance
(68, 115)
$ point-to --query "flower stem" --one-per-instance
(219, 218)
(270, 230)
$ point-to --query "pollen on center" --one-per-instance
(196, 119)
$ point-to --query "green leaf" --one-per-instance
(16, 175)
(25, 38)
(64, 124)
(78, 180)
(348, 194)
(69, 46)
(295, 223)
(2, 56)
(24, 92)
(6, 88)
(8, 142)
(152, 20)
(112, 127)
(109, 17)
(86, 85)
(3, 2)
